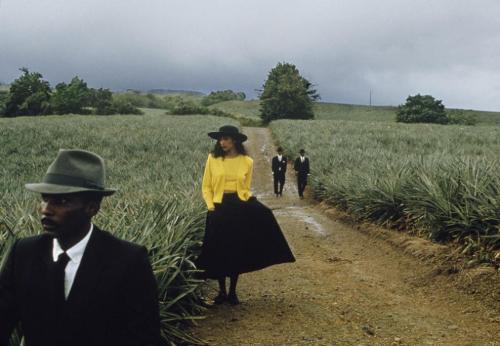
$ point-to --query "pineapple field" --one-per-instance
(441, 182)
(155, 161)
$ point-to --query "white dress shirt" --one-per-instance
(75, 254)
(280, 157)
(302, 158)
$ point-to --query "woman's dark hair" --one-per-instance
(219, 152)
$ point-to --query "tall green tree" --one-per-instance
(422, 109)
(102, 101)
(72, 97)
(28, 95)
(3, 100)
(287, 95)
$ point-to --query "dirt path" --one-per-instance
(346, 288)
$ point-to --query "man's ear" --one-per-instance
(93, 208)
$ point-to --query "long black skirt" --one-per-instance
(240, 237)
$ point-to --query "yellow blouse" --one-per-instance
(229, 174)
(231, 165)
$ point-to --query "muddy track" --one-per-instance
(346, 288)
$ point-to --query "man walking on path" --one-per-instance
(279, 169)
(75, 284)
(301, 167)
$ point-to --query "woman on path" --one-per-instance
(241, 233)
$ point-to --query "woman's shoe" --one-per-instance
(220, 298)
(233, 299)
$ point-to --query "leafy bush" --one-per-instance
(124, 107)
(71, 98)
(102, 101)
(458, 116)
(133, 97)
(3, 100)
(287, 95)
(149, 100)
(221, 96)
(184, 107)
(421, 109)
(29, 95)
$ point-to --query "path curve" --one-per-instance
(346, 288)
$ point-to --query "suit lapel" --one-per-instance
(89, 272)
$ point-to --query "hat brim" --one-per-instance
(47, 188)
(238, 136)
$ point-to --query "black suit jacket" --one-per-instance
(279, 167)
(113, 300)
(302, 168)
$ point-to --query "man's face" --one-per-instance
(63, 215)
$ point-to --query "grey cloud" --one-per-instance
(395, 47)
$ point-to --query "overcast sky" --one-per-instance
(447, 48)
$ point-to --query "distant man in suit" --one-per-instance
(76, 284)
(301, 167)
(279, 169)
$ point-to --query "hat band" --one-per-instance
(61, 179)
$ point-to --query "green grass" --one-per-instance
(338, 111)
(156, 162)
(248, 109)
(440, 181)
(246, 112)
(483, 117)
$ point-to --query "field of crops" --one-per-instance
(155, 161)
(441, 181)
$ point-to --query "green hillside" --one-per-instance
(340, 111)
(250, 109)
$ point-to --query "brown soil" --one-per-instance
(352, 284)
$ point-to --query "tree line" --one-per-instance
(284, 95)
(31, 95)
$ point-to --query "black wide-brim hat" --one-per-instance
(73, 171)
(229, 131)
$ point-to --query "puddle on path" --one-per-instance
(301, 214)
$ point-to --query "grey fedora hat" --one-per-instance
(73, 171)
(230, 131)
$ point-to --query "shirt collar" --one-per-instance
(279, 157)
(75, 253)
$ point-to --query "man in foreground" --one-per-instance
(76, 284)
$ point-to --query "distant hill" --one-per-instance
(173, 91)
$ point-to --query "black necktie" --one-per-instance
(60, 266)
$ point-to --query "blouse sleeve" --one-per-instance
(206, 186)
(248, 177)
